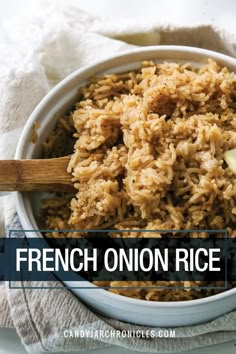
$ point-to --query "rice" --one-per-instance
(149, 155)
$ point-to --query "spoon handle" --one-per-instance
(35, 175)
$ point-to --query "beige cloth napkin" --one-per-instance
(40, 50)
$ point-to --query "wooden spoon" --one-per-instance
(35, 175)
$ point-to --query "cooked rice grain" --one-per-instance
(154, 150)
(149, 155)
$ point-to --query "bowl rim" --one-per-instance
(23, 216)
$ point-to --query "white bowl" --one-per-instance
(58, 101)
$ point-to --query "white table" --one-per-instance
(183, 12)
(216, 12)
(11, 344)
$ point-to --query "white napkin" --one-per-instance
(37, 51)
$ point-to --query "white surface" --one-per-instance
(220, 12)
(10, 343)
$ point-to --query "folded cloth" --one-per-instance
(5, 317)
(40, 50)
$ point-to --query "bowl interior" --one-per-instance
(60, 100)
